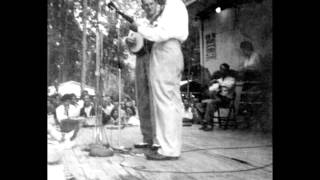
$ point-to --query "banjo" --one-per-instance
(140, 45)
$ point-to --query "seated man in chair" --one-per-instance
(221, 92)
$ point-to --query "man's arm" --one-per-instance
(216, 75)
(214, 78)
(213, 81)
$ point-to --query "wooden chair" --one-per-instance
(251, 99)
(228, 120)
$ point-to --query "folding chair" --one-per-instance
(230, 118)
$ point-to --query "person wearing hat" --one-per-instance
(167, 32)
(152, 10)
(66, 115)
(221, 92)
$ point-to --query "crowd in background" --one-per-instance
(85, 107)
(69, 106)
(195, 111)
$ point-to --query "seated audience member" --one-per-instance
(128, 103)
(87, 110)
(116, 103)
(55, 137)
(66, 115)
(131, 118)
(123, 105)
(218, 76)
(81, 101)
(133, 103)
(221, 92)
(251, 67)
(93, 99)
(66, 110)
(107, 108)
(115, 115)
(84, 93)
(75, 102)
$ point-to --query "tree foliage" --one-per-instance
(65, 34)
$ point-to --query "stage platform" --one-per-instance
(218, 154)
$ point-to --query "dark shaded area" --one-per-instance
(193, 87)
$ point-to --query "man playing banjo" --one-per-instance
(167, 31)
(166, 66)
(152, 10)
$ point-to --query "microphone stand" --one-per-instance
(99, 131)
(120, 147)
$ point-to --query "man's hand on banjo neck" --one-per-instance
(133, 26)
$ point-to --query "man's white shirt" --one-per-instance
(172, 23)
(251, 62)
(87, 110)
(61, 114)
(108, 109)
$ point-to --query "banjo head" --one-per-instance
(138, 42)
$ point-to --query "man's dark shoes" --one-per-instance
(208, 128)
(142, 145)
(158, 157)
(155, 147)
(187, 124)
(202, 127)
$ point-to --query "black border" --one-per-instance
(24, 80)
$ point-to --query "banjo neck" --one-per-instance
(126, 17)
(130, 19)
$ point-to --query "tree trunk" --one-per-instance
(101, 133)
(97, 71)
(48, 64)
(84, 46)
(97, 75)
(65, 66)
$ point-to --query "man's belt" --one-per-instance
(148, 46)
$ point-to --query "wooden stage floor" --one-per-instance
(219, 154)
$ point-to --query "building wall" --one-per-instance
(253, 23)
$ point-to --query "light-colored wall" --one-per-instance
(254, 24)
